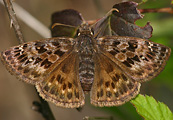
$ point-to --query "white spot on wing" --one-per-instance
(30, 59)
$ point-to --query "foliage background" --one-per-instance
(16, 97)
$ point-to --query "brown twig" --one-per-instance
(14, 21)
(44, 108)
(159, 10)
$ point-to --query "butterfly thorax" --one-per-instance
(85, 48)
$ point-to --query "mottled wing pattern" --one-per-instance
(62, 85)
(111, 87)
(32, 61)
(140, 59)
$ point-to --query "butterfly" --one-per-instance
(110, 68)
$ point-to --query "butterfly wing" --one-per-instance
(32, 61)
(111, 87)
(62, 85)
(140, 59)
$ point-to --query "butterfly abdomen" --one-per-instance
(86, 71)
(86, 62)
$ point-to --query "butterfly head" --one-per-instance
(85, 29)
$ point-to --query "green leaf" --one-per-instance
(150, 109)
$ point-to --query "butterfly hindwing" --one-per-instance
(62, 85)
(140, 59)
(31, 61)
(111, 86)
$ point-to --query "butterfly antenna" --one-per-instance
(110, 12)
(60, 24)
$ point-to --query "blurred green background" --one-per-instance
(16, 97)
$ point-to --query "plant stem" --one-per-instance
(160, 10)
(44, 108)
(14, 22)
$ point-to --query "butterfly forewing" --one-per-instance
(140, 59)
(111, 87)
(62, 85)
(32, 61)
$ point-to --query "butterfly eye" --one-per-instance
(92, 31)
(78, 32)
